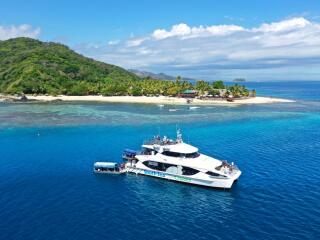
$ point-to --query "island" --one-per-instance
(45, 71)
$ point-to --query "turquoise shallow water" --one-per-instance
(48, 190)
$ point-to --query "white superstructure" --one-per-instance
(178, 161)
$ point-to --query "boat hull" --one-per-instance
(214, 183)
(108, 172)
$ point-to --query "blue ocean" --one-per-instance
(49, 191)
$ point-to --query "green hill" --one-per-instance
(31, 66)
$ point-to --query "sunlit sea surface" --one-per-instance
(48, 189)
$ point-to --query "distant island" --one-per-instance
(43, 69)
(239, 80)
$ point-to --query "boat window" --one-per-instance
(189, 171)
(153, 165)
(167, 165)
(105, 169)
(172, 154)
(175, 154)
(214, 174)
(192, 155)
(158, 165)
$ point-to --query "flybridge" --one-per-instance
(157, 140)
(168, 145)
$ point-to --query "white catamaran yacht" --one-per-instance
(178, 161)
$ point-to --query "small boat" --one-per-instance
(160, 105)
(192, 108)
(173, 110)
(108, 167)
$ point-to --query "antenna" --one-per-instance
(179, 136)
(177, 131)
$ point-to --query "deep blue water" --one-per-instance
(48, 190)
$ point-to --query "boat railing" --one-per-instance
(160, 142)
(131, 155)
(227, 167)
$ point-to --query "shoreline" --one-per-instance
(150, 100)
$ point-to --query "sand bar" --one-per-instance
(160, 100)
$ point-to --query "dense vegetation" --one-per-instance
(33, 67)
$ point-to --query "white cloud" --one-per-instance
(113, 42)
(183, 30)
(286, 25)
(206, 51)
(24, 30)
(136, 41)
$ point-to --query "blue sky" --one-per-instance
(180, 37)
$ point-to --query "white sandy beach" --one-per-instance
(159, 100)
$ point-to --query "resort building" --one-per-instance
(189, 93)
